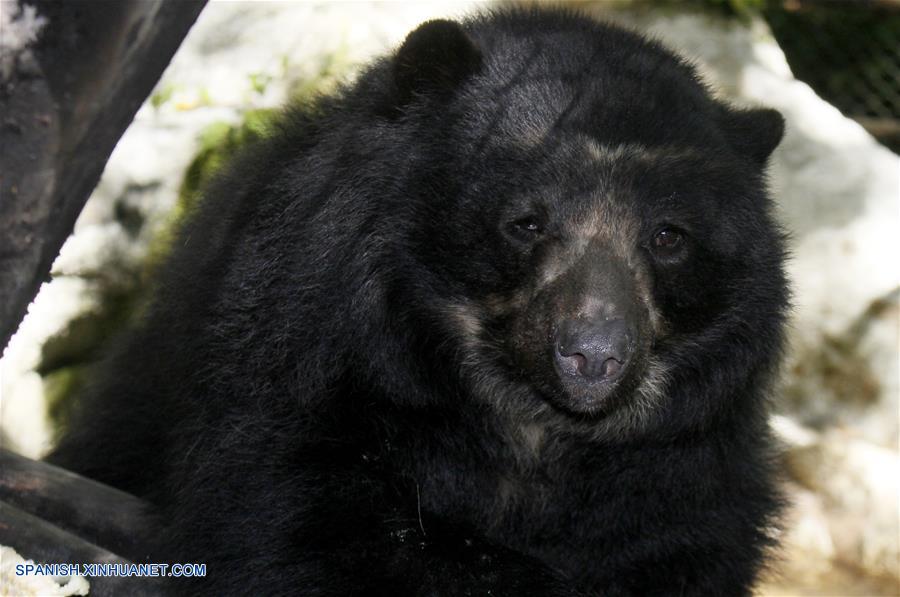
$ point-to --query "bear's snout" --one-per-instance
(591, 351)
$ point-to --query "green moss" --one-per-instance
(60, 387)
(329, 72)
(741, 9)
(162, 95)
(219, 143)
(66, 356)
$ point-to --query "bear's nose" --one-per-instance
(593, 350)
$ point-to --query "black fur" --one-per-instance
(345, 386)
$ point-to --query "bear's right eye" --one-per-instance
(527, 228)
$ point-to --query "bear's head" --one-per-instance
(592, 228)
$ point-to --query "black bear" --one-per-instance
(499, 318)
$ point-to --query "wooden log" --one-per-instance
(98, 514)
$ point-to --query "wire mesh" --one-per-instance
(849, 53)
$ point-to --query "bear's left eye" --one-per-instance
(528, 228)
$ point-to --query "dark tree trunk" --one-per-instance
(64, 107)
(53, 516)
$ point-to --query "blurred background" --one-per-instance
(831, 67)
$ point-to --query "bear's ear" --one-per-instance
(435, 58)
(754, 133)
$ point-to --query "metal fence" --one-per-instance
(849, 53)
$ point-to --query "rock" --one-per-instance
(859, 485)
(807, 531)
